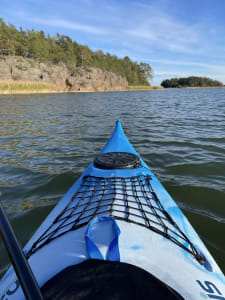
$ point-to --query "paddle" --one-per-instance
(21, 266)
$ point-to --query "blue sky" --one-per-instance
(178, 38)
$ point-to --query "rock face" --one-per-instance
(92, 79)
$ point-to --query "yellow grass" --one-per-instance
(14, 87)
(143, 88)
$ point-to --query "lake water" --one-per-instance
(46, 142)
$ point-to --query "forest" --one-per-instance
(192, 81)
(61, 48)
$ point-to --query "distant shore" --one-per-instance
(25, 87)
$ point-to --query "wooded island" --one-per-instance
(192, 81)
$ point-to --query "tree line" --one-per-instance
(192, 81)
(61, 48)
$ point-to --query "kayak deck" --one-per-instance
(131, 199)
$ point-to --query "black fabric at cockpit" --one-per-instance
(106, 280)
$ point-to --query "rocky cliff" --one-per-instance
(92, 79)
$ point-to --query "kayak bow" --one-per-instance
(119, 214)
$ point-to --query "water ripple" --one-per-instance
(46, 142)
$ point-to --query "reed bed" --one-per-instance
(11, 87)
(143, 88)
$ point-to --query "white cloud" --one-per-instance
(62, 23)
(163, 32)
(155, 27)
(209, 66)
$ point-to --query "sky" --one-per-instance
(178, 38)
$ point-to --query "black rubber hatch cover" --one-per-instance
(117, 160)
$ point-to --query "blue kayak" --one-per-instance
(118, 234)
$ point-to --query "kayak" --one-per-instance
(118, 234)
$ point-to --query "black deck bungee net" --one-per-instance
(130, 199)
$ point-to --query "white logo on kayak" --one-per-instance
(211, 290)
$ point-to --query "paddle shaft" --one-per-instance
(21, 266)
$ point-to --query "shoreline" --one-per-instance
(59, 91)
(55, 92)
